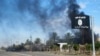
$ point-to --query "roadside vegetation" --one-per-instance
(74, 45)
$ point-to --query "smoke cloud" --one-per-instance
(22, 18)
(73, 9)
(50, 14)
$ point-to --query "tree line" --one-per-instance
(51, 43)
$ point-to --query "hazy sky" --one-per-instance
(21, 18)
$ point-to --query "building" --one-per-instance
(98, 39)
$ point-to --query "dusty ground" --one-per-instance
(4, 53)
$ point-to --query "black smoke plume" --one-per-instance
(73, 9)
(50, 16)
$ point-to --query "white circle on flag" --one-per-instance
(80, 22)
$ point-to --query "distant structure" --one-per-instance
(61, 46)
(98, 39)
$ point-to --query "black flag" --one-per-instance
(81, 22)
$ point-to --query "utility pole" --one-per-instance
(93, 43)
(31, 43)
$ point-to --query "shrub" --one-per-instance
(65, 47)
(76, 47)
(97, 45)
(88, 47)
(54, 47)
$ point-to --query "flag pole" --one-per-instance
(92, 29)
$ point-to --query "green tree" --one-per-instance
(68, 38)
(37, 41)
(53, 38)
(28, 42)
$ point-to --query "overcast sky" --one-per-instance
(20, 19)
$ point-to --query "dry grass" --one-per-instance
(75, 53)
